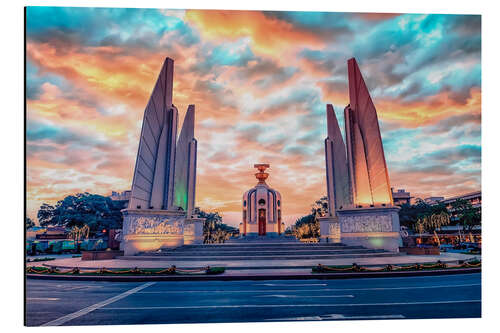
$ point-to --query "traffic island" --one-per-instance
(220, 274)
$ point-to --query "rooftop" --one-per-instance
(464, 196)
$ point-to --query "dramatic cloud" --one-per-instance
(260, 82)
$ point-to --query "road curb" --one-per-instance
(222, 277)
(51, 264)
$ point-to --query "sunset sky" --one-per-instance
(260, 82)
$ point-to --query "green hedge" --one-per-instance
(387, 268)
(216, 270)
(125, 271)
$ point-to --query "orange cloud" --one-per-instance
(428, 111)
(334, 92)
(413, 114)
(104, 71)
(376, 16)
(53, 105)
(268, 35)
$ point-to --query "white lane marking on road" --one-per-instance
(66, 288)
(82, 287)
(468, 276)
(42, 299)
(334, 316)
(307, 296)
(307, 290)
(84, 311)
(286, 305)
(289, 285)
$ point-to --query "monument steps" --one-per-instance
(295, 245)
(264, 239)
(266, 248)
(246, 258)
(260, 251)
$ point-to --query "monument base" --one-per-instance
(150, 230)
(193, 230)
(371, 227)
(329, 229)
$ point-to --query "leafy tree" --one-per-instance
(46, 214)
(214, 231)
(467, 215)
(307, 227)
(409, 215)
(433, 222)
(439, 208)
(320, 207)
(95, 211)
(306, 219)
(29, 223)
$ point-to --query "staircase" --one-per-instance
(261, 249)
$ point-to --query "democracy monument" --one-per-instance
(160, 213)
(261, 208)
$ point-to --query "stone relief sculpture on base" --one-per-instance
(154, 225)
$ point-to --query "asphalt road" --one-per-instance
(107, 303)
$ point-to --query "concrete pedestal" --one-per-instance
(150, 230)
(329, 229)
(372, 227)
(193, 230)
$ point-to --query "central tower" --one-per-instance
(261, 208)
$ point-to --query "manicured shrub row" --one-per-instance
(64, 246)
(388, 268)
(134, 271)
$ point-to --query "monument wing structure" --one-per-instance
(185, 164)
(163, 186)
(369, 218)
(337, 177)
(153, 182)
(367, 167)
